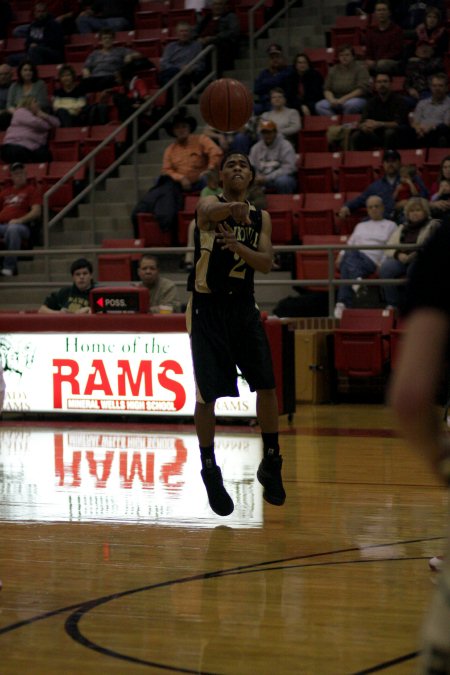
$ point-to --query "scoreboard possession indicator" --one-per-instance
(110, 300)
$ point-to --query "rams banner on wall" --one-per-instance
(147, 373)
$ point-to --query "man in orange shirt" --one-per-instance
(20, 207)
(190, 156)
(185, 167)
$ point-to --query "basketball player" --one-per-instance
(232, 240)
(412, 395)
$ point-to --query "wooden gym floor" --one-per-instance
(112, 562)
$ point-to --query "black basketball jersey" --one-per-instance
(218, 270)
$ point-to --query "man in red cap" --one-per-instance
(274, 160)
(20, 208)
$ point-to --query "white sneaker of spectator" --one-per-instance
(338, 310)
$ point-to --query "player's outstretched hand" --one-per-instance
(226, 237)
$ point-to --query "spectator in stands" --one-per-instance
(287, 119)
(27, 84)
(274, 160)
(275, 75)
(179, 54)
(384, 119)
(100, 68)
(410, 13)
(431, 116)
(418, 71)
(112, 14)
(163, 292)
(416, 228)
(406, 187)
(443, 175)
(440, 191)
(385, 187)
(185, 166)
(346, 85)
(20, 209)
(26, 138)
(44, 39)
(6, 74)
(62, 11)
(239, 141)
(304, 86)
(189, 158)
(212, 187)
(359, 264)
(384, 41)
(220, 27)
(130, 92)
(69, 100)
(72, 299)
(431, 32)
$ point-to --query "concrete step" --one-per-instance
(106, 207)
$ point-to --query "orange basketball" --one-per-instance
(226, 104)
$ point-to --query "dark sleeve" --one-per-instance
(429, 282)
(54, 300)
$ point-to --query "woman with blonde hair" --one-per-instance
(418, 225)
(26, 139)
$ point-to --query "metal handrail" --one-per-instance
(331, 283)
(137, 140)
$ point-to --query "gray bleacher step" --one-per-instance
(106, 208)
(127, 186)
(104, 222)
(84, 238)
(144, 170)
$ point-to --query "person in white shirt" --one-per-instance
(358, 264)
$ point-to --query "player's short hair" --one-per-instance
(81, 263)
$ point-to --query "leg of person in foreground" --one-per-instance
(412, 396)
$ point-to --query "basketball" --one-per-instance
(226, 104)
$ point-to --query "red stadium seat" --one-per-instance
(282, 226)
(315, 221)
(150, 231)
(114, 267)
(314, 265)
(125, 243)
(361, 344)
(316, 179)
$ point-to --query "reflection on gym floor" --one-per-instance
(103, 475)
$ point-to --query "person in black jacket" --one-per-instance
(303, 86)
(44, 41)
(220, 27)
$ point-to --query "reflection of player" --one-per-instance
(72, 299)
(412, 393)
(232, 240)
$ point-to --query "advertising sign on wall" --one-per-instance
(142, 373)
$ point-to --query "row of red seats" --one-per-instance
(354, 170)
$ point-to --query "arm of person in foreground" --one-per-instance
(414, 385)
